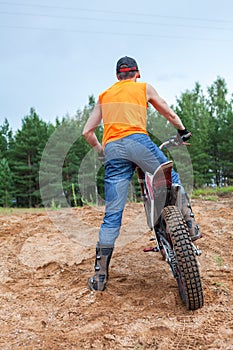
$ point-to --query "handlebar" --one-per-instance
(173, 142)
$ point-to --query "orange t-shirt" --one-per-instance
(123, 107)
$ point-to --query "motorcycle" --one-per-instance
(163, 203)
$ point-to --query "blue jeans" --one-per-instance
(121, 158)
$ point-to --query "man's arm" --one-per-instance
(162, 107)
(89, 129)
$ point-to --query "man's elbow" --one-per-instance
(86, 133)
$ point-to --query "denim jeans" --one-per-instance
(121, 158)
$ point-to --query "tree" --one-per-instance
(193, 111)
(220, 132)
(25, 155)
(6, 176)
(81, 166)
(6, 184)
(6, 137)
(61, 179)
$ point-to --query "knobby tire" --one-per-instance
(187, 271)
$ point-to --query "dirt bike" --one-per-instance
(163, 203)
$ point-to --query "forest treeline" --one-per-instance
(48, 164)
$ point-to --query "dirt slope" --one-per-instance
(45, 304)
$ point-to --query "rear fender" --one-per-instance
(158, 186)
(162, 177)
(176, 196)
(150, 207)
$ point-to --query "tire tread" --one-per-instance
(186, 258)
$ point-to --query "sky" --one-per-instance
(54, 54)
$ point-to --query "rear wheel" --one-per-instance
(184, 263)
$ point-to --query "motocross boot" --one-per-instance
(103, 257)
(194, 228)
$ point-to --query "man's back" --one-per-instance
(123, 107)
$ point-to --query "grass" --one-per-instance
(218, 259)
(219, 285)
(212, 194)
(211, 198)
(18, 211)
(136, 348)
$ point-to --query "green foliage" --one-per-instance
(5, 139)
(74, 196)
(219, 261)
(24, 158)
(217, 191)
(55, 205)
(6, 184)
(211, 121)
(221, 132)
(6, 175)
(76, 153)
(191, 107)
(62, 159)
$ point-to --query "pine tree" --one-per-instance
(193, 111)
(6, 184)
(60, 178)
(89, 177)
(6, 137)
(6, 176)
(25, 155)
(220, 132)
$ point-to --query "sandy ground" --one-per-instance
(46, 259)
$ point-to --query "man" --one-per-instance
(125, 144)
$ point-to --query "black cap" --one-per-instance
(129, 64)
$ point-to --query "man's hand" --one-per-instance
(184, 134)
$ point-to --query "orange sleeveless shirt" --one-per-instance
(123, 107)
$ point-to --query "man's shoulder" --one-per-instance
(109, 88)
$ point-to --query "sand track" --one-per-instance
(45, 304)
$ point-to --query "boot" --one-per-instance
(103, 257)
(194, 228)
